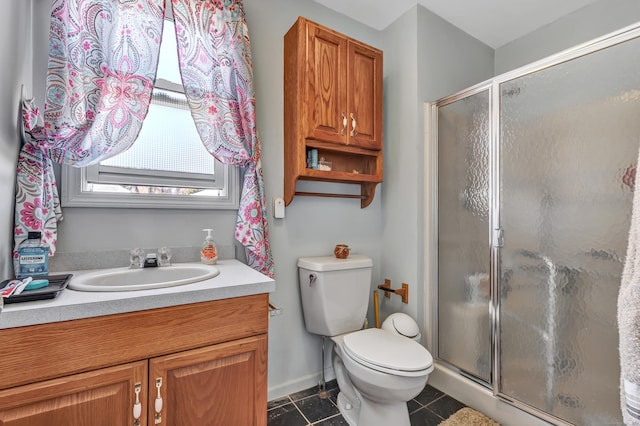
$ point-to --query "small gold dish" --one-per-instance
(341, 251)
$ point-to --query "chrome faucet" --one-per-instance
(151, 261)
(138, 259)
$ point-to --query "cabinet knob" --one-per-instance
(344, 124)
(353, 125)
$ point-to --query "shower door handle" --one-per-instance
(498, 237)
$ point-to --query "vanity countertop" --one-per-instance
(235, 280)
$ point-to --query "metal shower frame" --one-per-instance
(495, 231)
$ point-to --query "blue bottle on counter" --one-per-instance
(33, 256)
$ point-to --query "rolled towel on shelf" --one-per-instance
(629, 322)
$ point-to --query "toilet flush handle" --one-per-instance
(312, 279)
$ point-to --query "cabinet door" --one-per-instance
(326, 86)
(364, 96)
(98, 398)
(218, 385)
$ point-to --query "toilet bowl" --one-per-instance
(377, 373)
(378, 370)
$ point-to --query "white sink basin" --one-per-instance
(126, 279)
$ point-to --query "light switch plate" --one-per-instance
(278, 207)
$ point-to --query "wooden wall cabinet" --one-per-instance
(333, 92)
(203, 364)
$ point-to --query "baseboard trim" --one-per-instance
(299, 384)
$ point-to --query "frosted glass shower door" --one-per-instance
(464, 326)
(569, 137)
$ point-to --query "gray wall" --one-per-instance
(425, 58)
(312, 225)
(15, 31)
(588, 23)
(401, 173)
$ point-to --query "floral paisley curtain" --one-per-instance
(217, 73)
(103, 57)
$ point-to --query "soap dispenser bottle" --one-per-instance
(209, 252)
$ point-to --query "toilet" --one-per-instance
(378, 370)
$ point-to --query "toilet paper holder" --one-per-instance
(402, 292)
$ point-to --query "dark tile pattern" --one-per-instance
(278, 402)
(428, 395)
(333, 421)
(445, 406)
(425, 417)
(306, 408)
(413, 406)
(315, 408)
(286, 415)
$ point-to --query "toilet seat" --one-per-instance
(388, 353)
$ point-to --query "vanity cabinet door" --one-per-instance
(219, 385)
(102, 397)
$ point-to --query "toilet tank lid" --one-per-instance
(331, 263)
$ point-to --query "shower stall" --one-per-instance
(534, 175)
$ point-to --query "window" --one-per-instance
(167, 166)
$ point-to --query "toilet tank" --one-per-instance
(335, 293)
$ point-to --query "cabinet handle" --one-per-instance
(353, 125)
(344, 124)
(137, 406)
(158, 405)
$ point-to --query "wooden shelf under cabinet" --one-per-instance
(332, 103)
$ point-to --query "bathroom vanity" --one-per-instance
(186, 355)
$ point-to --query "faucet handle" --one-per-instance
(136, 258)
(164, 256)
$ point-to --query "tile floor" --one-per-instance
(305, 408)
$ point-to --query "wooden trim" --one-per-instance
(294, 93)
(46, 351)
(325, 194)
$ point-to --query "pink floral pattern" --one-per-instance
(217, 73)
(103, 58)
(102, 62)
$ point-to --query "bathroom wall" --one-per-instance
(312, 225)
(585, 24)
(15, 33)
(425, 58)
